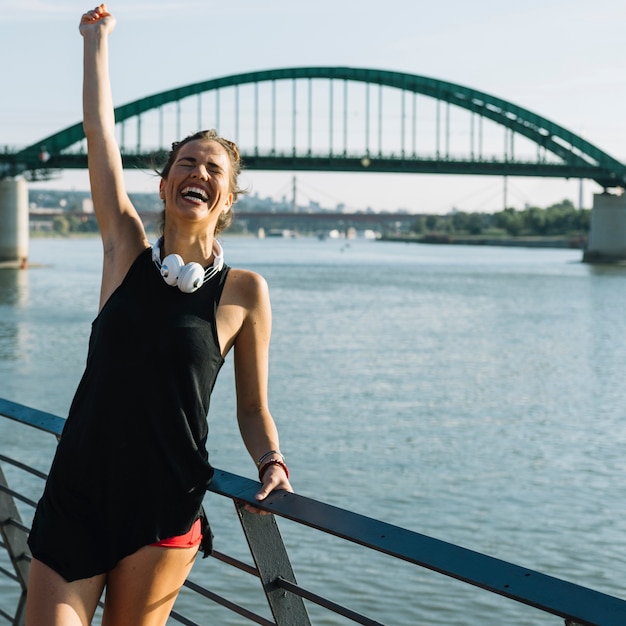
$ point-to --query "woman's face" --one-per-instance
(197, 187)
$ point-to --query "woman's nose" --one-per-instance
(201, 172)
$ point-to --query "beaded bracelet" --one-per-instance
(258, 463)
(266, 465)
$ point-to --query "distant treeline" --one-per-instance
(562, 219)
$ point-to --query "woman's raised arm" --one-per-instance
(121, 228)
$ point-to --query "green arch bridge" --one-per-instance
(340, 119)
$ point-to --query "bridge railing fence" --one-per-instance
(280, 600)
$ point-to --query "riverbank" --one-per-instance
(578, 243)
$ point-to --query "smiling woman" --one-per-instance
(134, 446)
(219, 162)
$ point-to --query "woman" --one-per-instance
(122, 507)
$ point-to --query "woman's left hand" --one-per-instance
(274, 478)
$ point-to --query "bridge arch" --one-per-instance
(575, 157)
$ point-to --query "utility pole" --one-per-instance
(505, 199)
(580, 193)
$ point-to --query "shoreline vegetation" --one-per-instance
(572, 242)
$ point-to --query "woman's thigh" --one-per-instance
(52, 600)
(142, 588)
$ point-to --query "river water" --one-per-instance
(473, 394)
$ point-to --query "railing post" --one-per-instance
(272, 562)
(14, 539)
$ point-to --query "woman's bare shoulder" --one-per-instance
(244, 310)
(245, 287)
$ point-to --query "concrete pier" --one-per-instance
(14, 225)
(607, 233)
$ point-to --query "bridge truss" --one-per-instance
(340, 119)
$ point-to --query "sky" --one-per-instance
(563, 60)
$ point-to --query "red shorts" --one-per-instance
(188, 540)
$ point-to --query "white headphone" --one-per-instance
(186, 276)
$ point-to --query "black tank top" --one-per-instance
(132, 467)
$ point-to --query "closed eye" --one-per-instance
(186, 162)
(191, 162)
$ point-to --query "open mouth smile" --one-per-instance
(195, 194)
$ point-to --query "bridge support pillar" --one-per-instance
(607, 232)
(14, 222)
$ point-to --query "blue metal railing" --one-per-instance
(573, 603)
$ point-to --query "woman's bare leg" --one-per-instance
(52, 600)
(142, 588)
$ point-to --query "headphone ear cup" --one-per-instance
(170, 268)
(191, 277)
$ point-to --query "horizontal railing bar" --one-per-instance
(23, 466)
(9, 574)
(327, 604)
(547, 593)
(229, 560)
(18, 496)
(253, 617)
(11, 522)
(6, 615)
(240, 565)
(293, 588)
(177, 617)
(41, 420)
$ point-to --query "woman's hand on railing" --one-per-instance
(274, 479)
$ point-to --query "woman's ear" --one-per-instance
(162, 189)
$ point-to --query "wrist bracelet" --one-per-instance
(267, 464)
(258, 463)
